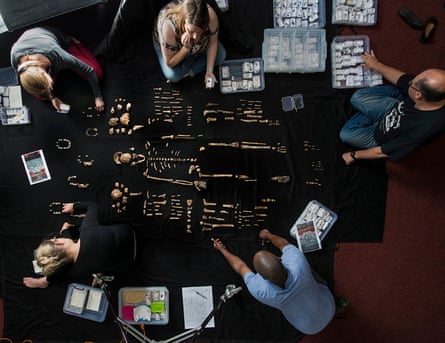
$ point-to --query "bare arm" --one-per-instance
(32, 282)
(278, 241)
(237, 264)
(167, 40)
(389, 73)
(367, 154)
(213, 45)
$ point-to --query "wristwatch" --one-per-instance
(353, 155)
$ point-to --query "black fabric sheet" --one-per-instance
(174, 222)
(17, 14)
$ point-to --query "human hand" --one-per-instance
(65, 226)
(210, 80)
(369, 60)
(32, 282)
(347, 157)
(217, 244)
(264, 235)
(100, 104)
(56, 102)
(68, 208)
(94, 283)
(187, 40)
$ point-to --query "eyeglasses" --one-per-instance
(410, 84)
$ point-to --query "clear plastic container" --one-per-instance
(294, 50)
(322, 217)
(294, 102)
(362, 13)
(347, 69)
(299, 13)
(223, 5)
(243, 75)
(144, 305)
(86, 302)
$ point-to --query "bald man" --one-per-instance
(392, 121)
(285, 283)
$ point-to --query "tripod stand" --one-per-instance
(125, 327)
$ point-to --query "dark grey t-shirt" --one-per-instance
(53, 43)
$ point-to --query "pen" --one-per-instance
(201, 295)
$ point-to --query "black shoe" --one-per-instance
(340, 304)
(411, 19)
(430, 28)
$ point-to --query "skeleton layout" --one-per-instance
(170, 155)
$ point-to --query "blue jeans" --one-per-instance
(190, 66)
(371, 104)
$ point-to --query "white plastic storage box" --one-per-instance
(294, 50)
(347, 69)
(144, 305)
(354, 12)
(322, 217)
(243, 75)
(299, 13)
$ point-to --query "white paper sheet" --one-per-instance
(197, 304)
(94, 299)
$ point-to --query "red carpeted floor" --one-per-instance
(396, 287)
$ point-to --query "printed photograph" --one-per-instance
(35, 166)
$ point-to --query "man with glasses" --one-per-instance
(392, 121)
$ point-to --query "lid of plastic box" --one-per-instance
(299, 14)
(361, 13)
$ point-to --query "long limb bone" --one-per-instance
(198, 184)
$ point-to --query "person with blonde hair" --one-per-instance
(95, 248)
(41, 52)
(51, 255)
(185, 39)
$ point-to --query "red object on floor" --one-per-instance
(396, 285)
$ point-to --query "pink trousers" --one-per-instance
(82, 53)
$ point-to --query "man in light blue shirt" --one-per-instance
(285, 283)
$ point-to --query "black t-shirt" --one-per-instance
(103, 248)
(404, 128)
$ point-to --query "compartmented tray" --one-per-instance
(299, 13)
(347, 69)
(363, 12)
(321, 215)
(243, 75)
(86, 302)
(292, 102)
(294, 50)
(15, 116)
(144, 305)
